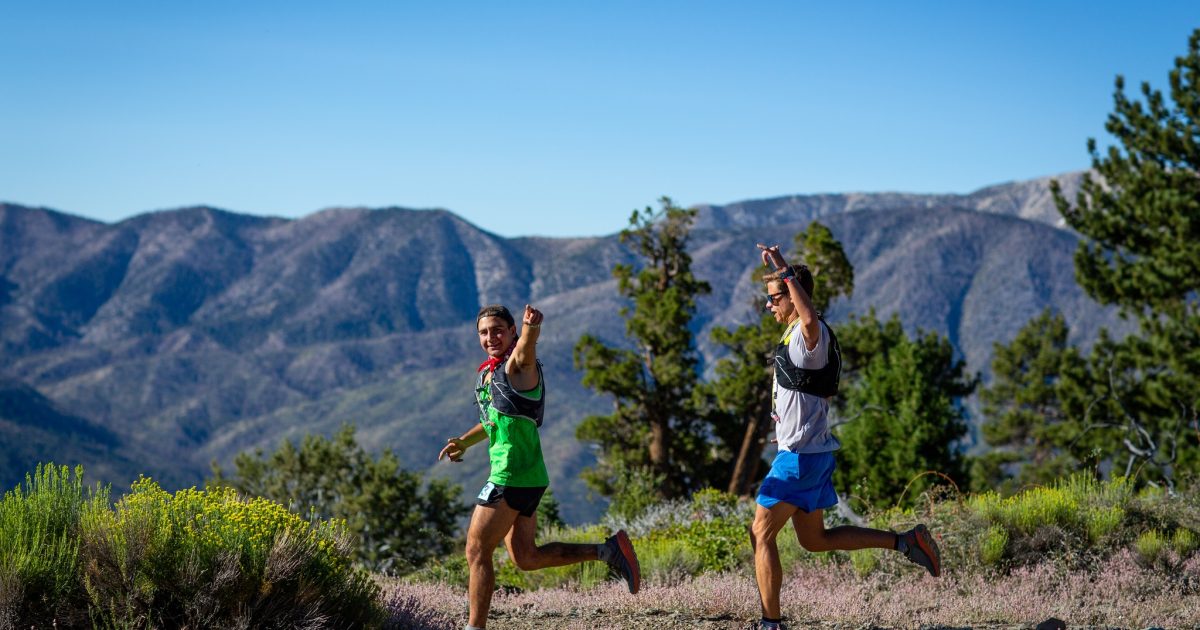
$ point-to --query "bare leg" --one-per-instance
(528, 556)
(767, 568)
(489, 525)
(812, 535)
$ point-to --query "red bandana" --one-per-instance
(491, 362)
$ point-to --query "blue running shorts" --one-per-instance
(802, 480)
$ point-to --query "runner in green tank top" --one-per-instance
(511, 395)
(514, 448)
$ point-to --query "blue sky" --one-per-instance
(552, 118)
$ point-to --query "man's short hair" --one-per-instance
(495, 310)
(803, 276)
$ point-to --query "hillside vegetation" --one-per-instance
(1088, 552)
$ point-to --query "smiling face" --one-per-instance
(779, 302)
(496, 336)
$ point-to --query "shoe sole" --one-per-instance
(630, 559)
(925, 542)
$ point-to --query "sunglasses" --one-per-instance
(775, 298)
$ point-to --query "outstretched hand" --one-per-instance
(453, 450)
(771, 256)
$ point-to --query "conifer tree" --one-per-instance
(1030, 422)
(1140, 219)
(655, 440)
(902, 412)
(833, 275)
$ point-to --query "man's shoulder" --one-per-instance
(823, 332)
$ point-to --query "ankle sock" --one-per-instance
(769, 624)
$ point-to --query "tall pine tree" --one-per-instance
(656, 438)
(1140, 219)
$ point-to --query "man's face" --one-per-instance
(779, 301)
(495, 336)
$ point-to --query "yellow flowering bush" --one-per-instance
(206, 558)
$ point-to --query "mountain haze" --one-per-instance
(160, 343)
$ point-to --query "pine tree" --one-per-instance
(1030, 421)
(656, 438)
(902, 414)
(742, 393)
(1140, 219)
(833, 275)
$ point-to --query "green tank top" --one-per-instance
(514, 448)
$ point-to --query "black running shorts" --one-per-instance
(523, 500)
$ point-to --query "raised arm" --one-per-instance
(522, 365)
(810, 326)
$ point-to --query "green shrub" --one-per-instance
(1085, 488)
(720, 543)
(865, 561)
(1077, 521)
(988, 505)
(640, 487)
(39, 547)
(1150, 546)
(1102, 521)
(711, 501)
(1040, 507)
(991, 550)
(667, 561)
(214, 559)
(452, 570)
(1184, 542)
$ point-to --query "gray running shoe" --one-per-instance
(757, 625)
(623, 561)
(918, 545)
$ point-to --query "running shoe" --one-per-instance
(918, 546)
(623, 561)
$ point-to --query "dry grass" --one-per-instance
(1121, 593)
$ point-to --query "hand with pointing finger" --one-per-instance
(771, 257)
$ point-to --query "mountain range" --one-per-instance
(159, 344)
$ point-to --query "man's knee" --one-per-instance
(477, 552)
(761, 531)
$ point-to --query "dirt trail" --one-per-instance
(1119, 595)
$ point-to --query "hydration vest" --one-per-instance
(509, 401)
(822, 382)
